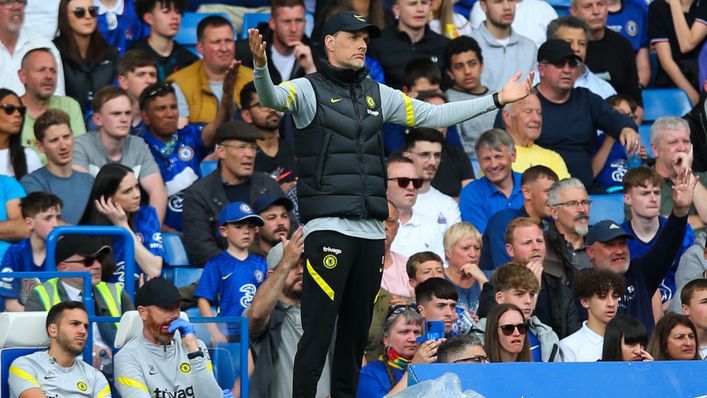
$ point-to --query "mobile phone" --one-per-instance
(433, 330)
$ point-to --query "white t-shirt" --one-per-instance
(43, 17)
(435, 206)
(33, 162)
(531, 19)
(283, 63)
(582, 346)
(419, 234)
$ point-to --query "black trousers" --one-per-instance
(342, 277)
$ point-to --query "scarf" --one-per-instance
(395, 360)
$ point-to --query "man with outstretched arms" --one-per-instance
(338, 112)
(157, 364)
(58, 372)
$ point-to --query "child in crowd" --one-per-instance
(694, 305)
(598, 291)
(42, 212)
(231, 278)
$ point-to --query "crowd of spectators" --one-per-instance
(107, 120)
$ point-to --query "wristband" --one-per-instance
(496, 101)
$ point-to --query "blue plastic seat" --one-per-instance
(251, 20)
(186, 36)
(645, 132)
(607, 207)
(665, 102)
(184, 276)
(175, 253)
(208, 167)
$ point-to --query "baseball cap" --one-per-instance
(159, 292)
(82, 245)
(555, 50)
(266, 201)
(350, 22)
(605, 231)
(275, 255)
(238, 211)
(236, 130)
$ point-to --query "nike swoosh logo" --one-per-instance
(227, 276)
(153, 372)
(534, 347)
(335, 100)
(49, 377)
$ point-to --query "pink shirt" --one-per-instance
(395, 278)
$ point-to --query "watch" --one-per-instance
(195, 354)
(496, 101)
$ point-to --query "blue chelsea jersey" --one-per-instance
(146, 226)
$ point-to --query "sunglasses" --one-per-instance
(474, 359)
(156, 91)
(400, 308)
(80, 12)
(507, 330)
(404, 182)
(10, 109)
(87, 262)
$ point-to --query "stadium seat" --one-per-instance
(562, 7)
(665, 102)
(607, 207)
(21, 333)
(186, 36)
(175, 253)
(208, 167)
(184, 276)
(645, 132)
(251, 20)
(130, 326)
(476, 167)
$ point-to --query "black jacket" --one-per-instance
(697, 119)
(203, 202)
(340, 153)
(83, 81)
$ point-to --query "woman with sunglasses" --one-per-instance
(625, 339)
(89, 62)
(462, 248)
(115, 199)
(506, 338)
(15, 160)
(388, 375)
(674, 339)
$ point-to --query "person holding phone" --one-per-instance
(388, 375)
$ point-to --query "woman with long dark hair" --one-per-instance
(15, 160)
(115, 199)
(625, 339)
(674, 339)
(506, 337)
(89, 62)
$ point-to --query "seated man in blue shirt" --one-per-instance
(178, 152)
(499, 188)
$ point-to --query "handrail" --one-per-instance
(129, 246)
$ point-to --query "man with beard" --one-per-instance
(275, 156)
(275, 212)
(158, 363)
(57, 372)
(275, 323)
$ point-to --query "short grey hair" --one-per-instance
(450, 350)
(495, 139)
(667, 123)
(553, 195)
(409, 315)
(567, 21)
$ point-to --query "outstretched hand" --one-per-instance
(683, 190)
(229, 81)
(515, 89)
(257, 48)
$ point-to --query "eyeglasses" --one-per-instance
(9, 3)
(507, 330)
(242, 147)
(575, 203)
(10, 109)
(80, 12)
(255, 105)
(474, 359)
(156, 91)
(400, 308)
(87, 261)
(428, 155)
(404, 182)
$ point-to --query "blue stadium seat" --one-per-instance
(645, 132)
(562, 7)
(21, 333)
(175, 253)
(665, 102)
(184, 276)
(186, 36)
(208, 167)
(476, 167)
(607, 207)
(251, 20)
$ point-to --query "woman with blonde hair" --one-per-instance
(462, 248)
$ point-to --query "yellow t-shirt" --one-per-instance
(527, 157)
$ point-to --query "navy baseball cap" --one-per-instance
(555, 50)
(159, 292)
(605, 231)
(349, 21)
(266, 201)
(239, 211)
